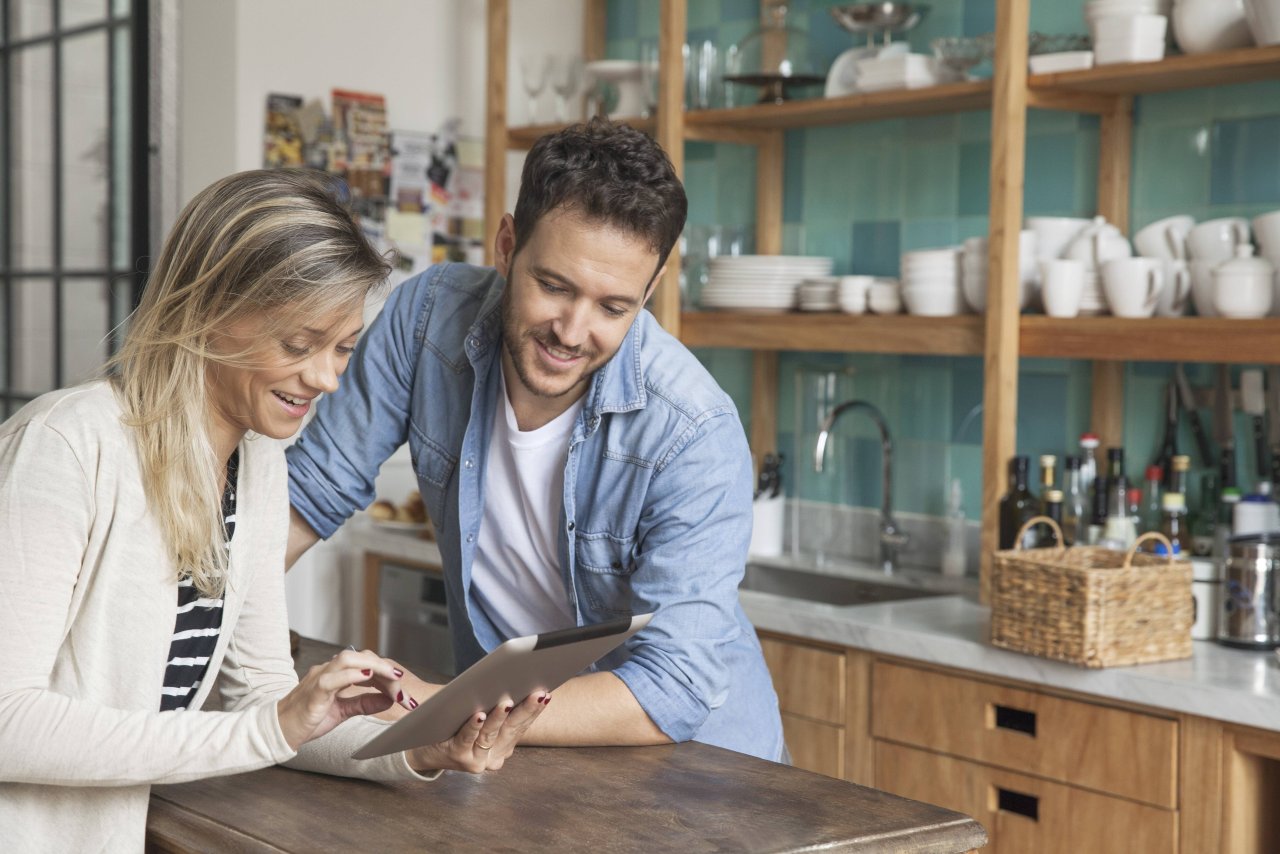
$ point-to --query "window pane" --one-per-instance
(84, 152)
(33, 349)
(6, 340)
(86, 320)
(31, 228)
(121, 229)
(120, 8)
(29, 18)
(121, 306)
(76, 13)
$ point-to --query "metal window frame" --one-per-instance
(139, 21)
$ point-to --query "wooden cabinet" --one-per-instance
(822, 694)
(1251, 794)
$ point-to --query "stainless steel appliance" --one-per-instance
(413, 626)
(1250, 616)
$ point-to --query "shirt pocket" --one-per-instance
(605, 565)
(434, 467)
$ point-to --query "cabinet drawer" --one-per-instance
(1025, 814)
(809, 680)
(1109, 750)
(814, 746)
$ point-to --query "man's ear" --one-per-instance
(653, 285)
(504, 245)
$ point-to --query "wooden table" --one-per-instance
(686, 797)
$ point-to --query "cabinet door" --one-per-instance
(810, 680)
(814, 746)
(1026, 815)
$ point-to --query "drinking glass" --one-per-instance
(649, 76)
(565, 74)
(533, 76)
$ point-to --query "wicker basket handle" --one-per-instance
(1137, 544)
(1031, 523)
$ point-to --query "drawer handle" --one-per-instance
(1027, 806)
(1018, 720)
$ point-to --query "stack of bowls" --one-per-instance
(1264, 20)
(1128, 30)
(885, 296)
(819, 294)
(852, 293)
(973, 271)
(931, 282)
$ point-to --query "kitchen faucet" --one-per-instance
(891, 538)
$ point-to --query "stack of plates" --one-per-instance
(931, 282)
(760, 282)
(901, 71)
(820, 294)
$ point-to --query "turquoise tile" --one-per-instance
(737, 198)
(966, 397)
(1066, 16)
(1171, 166)
(1050, 183)
(647, 19)
(920, 483)
(979, 17)
(974, 178)
(827, 40)
(966, 464)
(793, 177)
(876, 247)
(830, 185)
(971, 226)
(932, 173)
(1247, 100)
(622, 19)
(628, 48)
(792, 238)
(1041, 403)
(928, 234)
(923, 406)
(832, 239)
(975, 126)
(1086, 195)
(1245, 161)
(730, 10)
(945, 18)
(1048, 122)
(1173, 107)
(699, 151)
(700, 180)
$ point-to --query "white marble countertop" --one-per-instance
(1216, 682)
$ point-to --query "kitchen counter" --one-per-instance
(1224, 684)
(688, 797)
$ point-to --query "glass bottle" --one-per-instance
(1152, 511)
(1045, 537)
(1048, 471)
(1088, 462)
(1226, 519)
(1173, 524)
(1075, 510)
(1018, 504)
(1204, 521)
(1134, 503)
(1181, 466)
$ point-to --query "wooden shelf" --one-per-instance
(873, 106)
(522, 138)
(833, 333)
(1156, 339)
(1221, 68)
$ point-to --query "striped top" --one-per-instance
(199, 622)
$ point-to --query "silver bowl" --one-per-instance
(960, 53)
(875, 18)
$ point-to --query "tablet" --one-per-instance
(513, 671)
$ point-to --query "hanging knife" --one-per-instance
(1273, 419)
(1187, 400)
(1224, 425)
(1169, 445)
(1253, 402)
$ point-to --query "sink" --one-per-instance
(831, 589)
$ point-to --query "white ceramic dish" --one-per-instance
(1053, 63)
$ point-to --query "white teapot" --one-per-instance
(1098, 244)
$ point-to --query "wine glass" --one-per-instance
(649, 76)
(533, 76)
(565, 72)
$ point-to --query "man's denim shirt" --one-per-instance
(657, 495)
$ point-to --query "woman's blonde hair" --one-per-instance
(274, 244)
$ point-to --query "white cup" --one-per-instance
(853, 293)
(1061, 286)
(1266, 229)
(1132, 285)
(1053, 233)
(1177, 288)
(1166, 238)
(1202, 288)
(1216, 240)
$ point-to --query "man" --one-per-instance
(577, 462)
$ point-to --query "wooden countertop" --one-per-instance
(687, 797)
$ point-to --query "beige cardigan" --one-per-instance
(87, 607)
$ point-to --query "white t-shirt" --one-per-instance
(516, 574)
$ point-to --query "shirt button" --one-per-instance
(471, 538)
(593, 422)
(470, 463)
(471, 342)
(570, 526)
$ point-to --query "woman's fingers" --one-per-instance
(367, 669)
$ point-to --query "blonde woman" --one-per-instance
(144, 518)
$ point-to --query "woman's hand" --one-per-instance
(485, 741)
(314, 707)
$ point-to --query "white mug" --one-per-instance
(1202, 288)
(1266, 229)
(1062, 286)
(1132, 285)
(1176, 290)
(1166, 238)
(1215, 241)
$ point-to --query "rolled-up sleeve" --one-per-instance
(690, 556)
(333, 466)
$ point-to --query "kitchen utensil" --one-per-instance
(1187, 400)
(878, 18)
(1273, 419)
(1250, 615)
(1253, 402)
(774, 56)
(624, 75)
(1224, 426)
(1133, 285)
(1169, 443)
(534, 68)
(1206, 590)
(962, 53)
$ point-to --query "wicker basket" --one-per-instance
(1089, 605)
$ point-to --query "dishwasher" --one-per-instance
(413, 627)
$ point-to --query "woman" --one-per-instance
(143, 520)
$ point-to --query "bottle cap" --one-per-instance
(1072, 462)
(1089, 440)
(1173, 501)
(1135, 495)
(1047, 460)
(1115, 453)
(1182, 462)
(1231, 495)
(1053, 496)
(1155, 473)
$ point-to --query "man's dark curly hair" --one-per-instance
(608, 173)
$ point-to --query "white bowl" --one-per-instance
(1263, 17)
(1052, 63)
(1202, 26)
(933, 302)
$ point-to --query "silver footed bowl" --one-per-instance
(878, 17)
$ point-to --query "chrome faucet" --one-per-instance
(891, 537)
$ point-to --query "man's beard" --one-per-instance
(512, 339)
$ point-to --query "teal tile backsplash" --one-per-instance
(864, 193)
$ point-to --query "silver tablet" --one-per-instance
(513, 671)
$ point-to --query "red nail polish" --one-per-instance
(480, 718)
(399, 673)
(547, 702)
(367, 672)
(508, 709)
(399, 696)
(413, 704)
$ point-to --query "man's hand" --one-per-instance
(301, 538)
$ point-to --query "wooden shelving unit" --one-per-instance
(522, 138)
(1002, 336)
